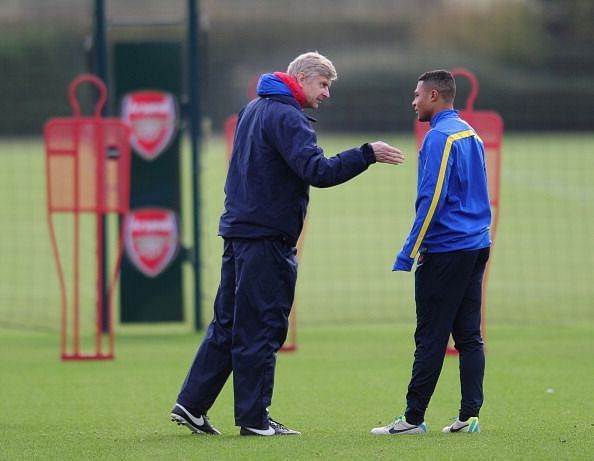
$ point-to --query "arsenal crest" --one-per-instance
(152, 117)
(151, 239)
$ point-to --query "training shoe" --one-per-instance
(470, 425)
(274, 428)
(197, 424)
(400, 427)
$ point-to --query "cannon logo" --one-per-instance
(152, 117)
(151, 239)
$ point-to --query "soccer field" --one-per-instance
(355, 326)
(340, 383)
(542, 264)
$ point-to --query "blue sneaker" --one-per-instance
(470, 425)
(400, 427)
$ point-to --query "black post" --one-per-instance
(194, 113)
(100, 43)
(101, 71)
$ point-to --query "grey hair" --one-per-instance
(312, 63)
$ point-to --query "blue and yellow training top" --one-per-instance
(452, 206)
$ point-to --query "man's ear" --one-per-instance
(434, 94)
(301, 79)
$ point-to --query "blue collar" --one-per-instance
(270, 84)
(448, 113)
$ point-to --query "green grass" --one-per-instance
(340, 383)
(541, 267)
(355, 325)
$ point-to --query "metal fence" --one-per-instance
(526, 56)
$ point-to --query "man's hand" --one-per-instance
(385, 153)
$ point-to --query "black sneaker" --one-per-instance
(197, 424)
(274, 428)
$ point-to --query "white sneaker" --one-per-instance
(400, 427)
(470, 425)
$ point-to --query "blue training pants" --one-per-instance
(250, 325)
(448, 292)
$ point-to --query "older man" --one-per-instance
(274, 161)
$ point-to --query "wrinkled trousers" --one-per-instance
(448, 292)
(250, 325)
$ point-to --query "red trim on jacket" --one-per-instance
(291, 82)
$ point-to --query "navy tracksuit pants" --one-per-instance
(448, 292)
(250, 325)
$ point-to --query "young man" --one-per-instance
(451, 235)
(274, 161)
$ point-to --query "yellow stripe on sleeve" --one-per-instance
(439, 186)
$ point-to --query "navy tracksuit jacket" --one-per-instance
(274, 161)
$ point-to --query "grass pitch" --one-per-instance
(541, 271)
(355, 327)
(340, 384)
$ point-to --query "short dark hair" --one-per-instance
(443, 80)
